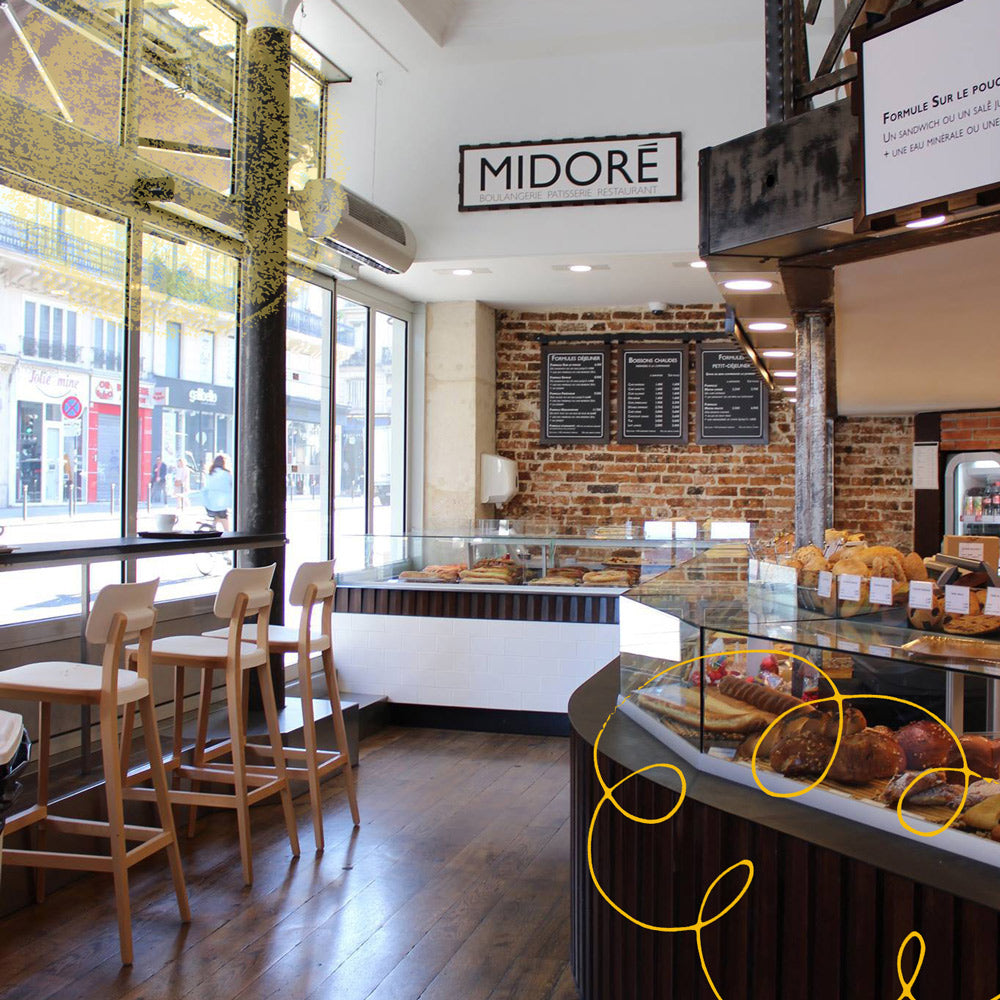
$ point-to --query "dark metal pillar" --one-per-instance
(813, 426)
(779, 81)
(262, 443)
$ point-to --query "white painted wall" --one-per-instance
(400, 138)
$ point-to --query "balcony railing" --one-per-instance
(35, 240)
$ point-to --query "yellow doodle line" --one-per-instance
(698, 926)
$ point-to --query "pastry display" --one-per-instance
(554, 580)
(682, 703)
(623, 577)
(434, 573)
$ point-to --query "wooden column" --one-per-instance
(262, 443)
(813, 426)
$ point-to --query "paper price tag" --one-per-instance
(921, 595)
(880, 590)
(849, 587)
(956, 600)
(992, 601)
(824, 640)
(847, 646)
(825, 585)
(753, 571)
(970, 550)
(880, 651)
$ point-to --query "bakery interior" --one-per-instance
(600, 549)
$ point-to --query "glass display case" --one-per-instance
(541, 556)
(851, 715)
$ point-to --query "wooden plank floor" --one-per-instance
(456, 887)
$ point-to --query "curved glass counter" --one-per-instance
(720, 663)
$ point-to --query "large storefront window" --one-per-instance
(350, 469)
(186, 100)
(186, 402)
(62, 280)
(307, 391)
(370, 428)
(388, 416)
(55, 47)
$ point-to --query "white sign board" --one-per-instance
(931, 116)
(570, 172)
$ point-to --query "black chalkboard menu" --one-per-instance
(732, 398)
(575, 395)
(652, 394)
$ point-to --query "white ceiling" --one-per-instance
(429, 75)
(529, 282)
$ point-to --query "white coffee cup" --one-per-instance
(166, 522)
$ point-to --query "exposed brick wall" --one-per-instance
(873, 477)
(588, 485)
(978, 431)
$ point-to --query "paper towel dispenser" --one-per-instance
(497, 479)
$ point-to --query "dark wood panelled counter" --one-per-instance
(830, 903)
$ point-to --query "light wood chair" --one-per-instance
(312, 587)
(243, 592)
(121, 612)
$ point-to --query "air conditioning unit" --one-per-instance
(360, 231)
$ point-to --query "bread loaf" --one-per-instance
(758, 695)
(926, 744)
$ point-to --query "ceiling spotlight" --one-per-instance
(580, 268)
(928, 223)
(462, 272)
(749, 285)
(789, 388)
(776, 352)
(767, 327)
(784, 373)
(699, 265)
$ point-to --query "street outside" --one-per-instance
(35, 594)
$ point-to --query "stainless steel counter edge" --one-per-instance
(629, 745)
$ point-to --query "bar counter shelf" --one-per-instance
(36, 555)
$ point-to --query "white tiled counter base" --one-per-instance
(469, 662)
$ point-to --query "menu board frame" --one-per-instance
(762, 435)
(604, 350)
(624, 437)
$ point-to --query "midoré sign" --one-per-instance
(551, 172)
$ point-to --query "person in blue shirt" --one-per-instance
(218, 492)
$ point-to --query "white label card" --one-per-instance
(825, 585)
(956, 600)
(753, 571)
(880, 591)
(970, 550)
(880, 651)
(849, 587)
(921, 595)
(849, 647)
(992, 601)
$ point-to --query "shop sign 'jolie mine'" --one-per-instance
(549, 172)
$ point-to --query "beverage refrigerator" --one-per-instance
(972, 493)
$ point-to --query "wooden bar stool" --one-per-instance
(243, 592)
(313, 585)
(122, 612)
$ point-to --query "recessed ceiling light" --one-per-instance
(784, 373)
(699, 264)
(788, 388)
(749, 285)
(462, 272)
(580, 268)
(930, 221)
(767, 326)
(775, 352)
